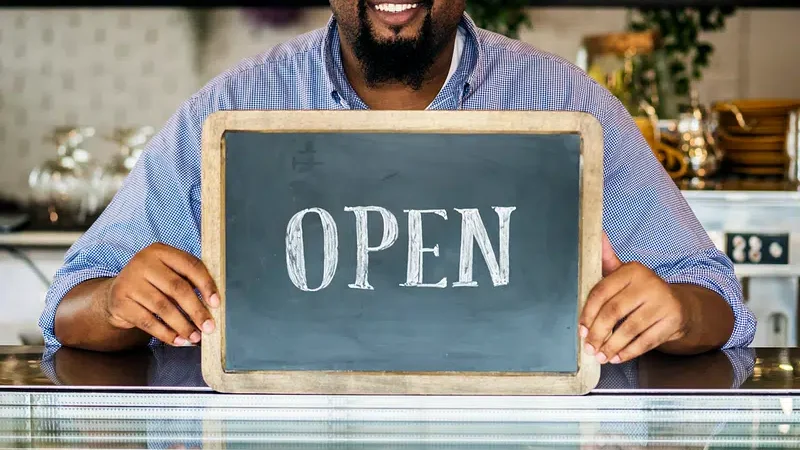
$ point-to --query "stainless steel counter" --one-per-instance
(157, 399)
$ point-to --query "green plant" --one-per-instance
(684, 54)
(506, 17)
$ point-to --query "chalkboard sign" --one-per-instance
(425, 252)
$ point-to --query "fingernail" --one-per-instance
(181, 342)
(214, 300)
(601, 358)
(584, 331)
(589, 349)
(195, 337)
(615, 360)
(208, 326)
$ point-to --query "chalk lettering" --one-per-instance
(390, 232)
(416, 251)
(295, 252)
(472, 229)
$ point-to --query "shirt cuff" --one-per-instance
(60, 287)
(744, 325)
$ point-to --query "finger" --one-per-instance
(612, 312)
(601, 293)
(651, 338)
(178, 289)
(163, 306)
(193, 269)
(147, 322)
(610, 260)
(635, 324)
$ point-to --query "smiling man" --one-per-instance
(131, 278)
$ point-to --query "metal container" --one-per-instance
(61, 188)
(131, 143)
(696, 142)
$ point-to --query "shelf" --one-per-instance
(59, 239)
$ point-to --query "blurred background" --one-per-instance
(715, 91)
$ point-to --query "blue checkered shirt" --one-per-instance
(645, 215)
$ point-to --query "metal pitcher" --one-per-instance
(696, 142)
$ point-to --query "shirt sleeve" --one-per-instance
(647, 219)
(158, 202)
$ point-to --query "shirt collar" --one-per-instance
(452, 94)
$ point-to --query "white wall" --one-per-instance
(125, 67)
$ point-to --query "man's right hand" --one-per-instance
(160, 282)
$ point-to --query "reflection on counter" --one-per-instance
(171, 367)
(780, 371)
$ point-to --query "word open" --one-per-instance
(472, 231)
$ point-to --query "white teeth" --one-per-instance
(394, 7)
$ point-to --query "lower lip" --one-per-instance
(396, 19)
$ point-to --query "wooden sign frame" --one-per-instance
(402, 383)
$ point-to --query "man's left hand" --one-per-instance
(630, 311)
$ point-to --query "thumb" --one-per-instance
(610, 260)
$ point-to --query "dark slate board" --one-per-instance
(528, 325)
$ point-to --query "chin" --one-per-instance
(388, 35)
(384, 33)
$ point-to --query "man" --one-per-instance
(135, 275)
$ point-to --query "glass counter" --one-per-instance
(157, 399)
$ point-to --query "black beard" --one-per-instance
(405, 61)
